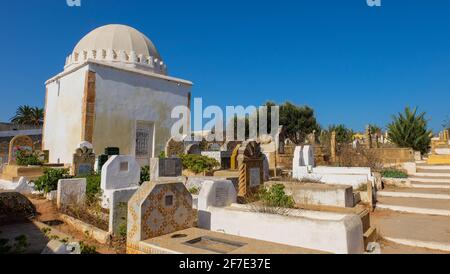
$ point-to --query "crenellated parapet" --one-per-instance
(122, 57)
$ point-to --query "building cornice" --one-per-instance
(118, 67)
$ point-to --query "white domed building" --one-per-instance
(114, 92)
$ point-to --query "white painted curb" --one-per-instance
(426, 174)
(413, 195)
(416, 210)
(430, 186)
(422, 244)
(430, 180)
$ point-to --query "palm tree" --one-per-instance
(410, 129)
(30, 116)
(37, 116)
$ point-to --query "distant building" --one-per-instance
(114, 92)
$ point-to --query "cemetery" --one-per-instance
(109, 174)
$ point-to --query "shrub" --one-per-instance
(410, 129)
(162, 155)
(275, 196)
(145, 174)
(194, 190)
(87, 249)
(93, 188)
(49, 181)
(198, 163)
(394, 173)
(28, 158)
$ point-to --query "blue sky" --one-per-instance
(353, 64)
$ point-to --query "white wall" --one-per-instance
(123, 97)
(335, 233)
(62, 129)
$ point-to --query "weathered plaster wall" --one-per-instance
(123, 98)
(62, 127)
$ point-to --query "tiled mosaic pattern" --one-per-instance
(158, 209)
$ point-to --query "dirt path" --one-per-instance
(47, 212)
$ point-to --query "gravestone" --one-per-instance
(233, 159)
(156, 209)
(214, 147)
(214, 193)
(174, 148)
(112, 151)
(193, 149)
(308, 156)
(165, 167)
(119, 172)
(102, 159)
(71, 192)
(83, 160)
(230, 146)
(251, 168)
(19, 143)
(119, 210)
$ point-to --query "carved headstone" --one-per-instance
(174, 148)
(233, 158)
(165, 167)
(214, 193)
(158, 209)
(193, 149)
(119, 172)
(118, 211)
(83, 161)
(71, 192)
(251, 168)
(19, 143)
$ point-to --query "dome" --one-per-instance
(118, 44)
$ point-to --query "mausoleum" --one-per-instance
(114, 91)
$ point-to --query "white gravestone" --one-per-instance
(303, 162)
(214, 193)
(71, 192)
(308, 156)
(118, 211)
(119, 172)
(296, 161)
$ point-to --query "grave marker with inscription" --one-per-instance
(251, 168)
(165, 167)
(19, 143)
(83, 160)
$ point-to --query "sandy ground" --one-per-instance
(410, 226)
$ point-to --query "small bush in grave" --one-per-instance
(145, 174)
(394, 173)
(49, 181)
(275, 196)
(93, 186)
(198, 163)
(194, 190)
(28, 158)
